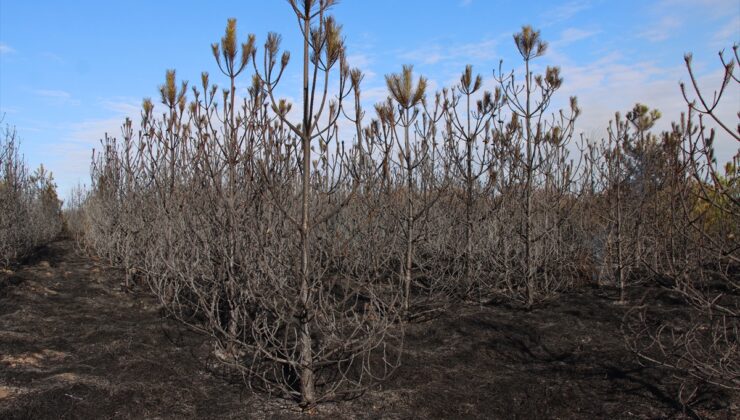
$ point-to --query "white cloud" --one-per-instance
(479, 51)
(49, 56)
(426, 55)
(7, 110)
(52, 93)
(6, 49)
(565, 11)
(70, 155)
(359, 60)
(728, 33)
(484, 50)
(715, 8)
(670, 16)
(128, 108)
(609, 85)
(374, 95)
(665, 28)
(362, 62)
(572, 35)
(56, 97)
(90, 132)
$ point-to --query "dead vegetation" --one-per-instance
(304, 254)
(323, 252)
(98, 352)
(30, 212)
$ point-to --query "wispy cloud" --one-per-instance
(668, 17)
(431, 54)
(465, 3)
(663, 29)
(49, 56)
(364, 63)
(715, 8)
(728, 33)
(359, 60)
(125, 107)
(70, 154)
(612, 83)
(56, 96)
(89, 132)
(7, 110)
(6, 49)
(484, 50)
(374, 95)
(565, 12)
(572, 35)
(52, 93)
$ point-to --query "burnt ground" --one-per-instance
(72, 345)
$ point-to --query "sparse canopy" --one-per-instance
(169, 93)
(468, 85)
(529, 43)
(642, 117)
(228, 50)
(402, 89)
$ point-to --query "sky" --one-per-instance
(71, 71)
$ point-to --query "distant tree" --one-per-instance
(699, 253)
(30, 211)
(622, 170)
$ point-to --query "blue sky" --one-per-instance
(71, 71)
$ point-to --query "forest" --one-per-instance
(324, 253)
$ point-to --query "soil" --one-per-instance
(73, 345)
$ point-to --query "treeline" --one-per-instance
(30, 212)
(302, 237)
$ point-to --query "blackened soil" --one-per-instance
(72, 345)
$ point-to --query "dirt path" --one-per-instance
(73, 346)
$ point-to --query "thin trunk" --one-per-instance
(231, 227)
(468, 198)
(528, 194)
(409, 217)
(656, 229)
(308, 392)
(620, 255)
